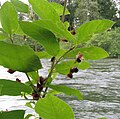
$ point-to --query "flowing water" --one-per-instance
(99, 84)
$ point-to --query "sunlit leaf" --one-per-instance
(43, 54)
(89, 53)
(64, 67)
(59, 8)
(67, 90)
(52, 107)
(44, 10)
(34, 75)
(58, 28)
(18, 58)
(20, 6)
(13, 88)
(87, 30)
(3, 36)
(83, 65)
(9, 18)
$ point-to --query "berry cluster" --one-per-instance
(79, 58)
(73, 70)
(39, 88)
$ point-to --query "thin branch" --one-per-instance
(31, 83)
(63, 16)
(11, 39)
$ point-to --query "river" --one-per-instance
(100, 85)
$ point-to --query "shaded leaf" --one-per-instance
(13, 88)
(87, 30)
(67, 90)
(9, 18)
(15, 114)
(43, 36)
(18, 58)
(52, 107)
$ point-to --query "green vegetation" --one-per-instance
(50, 32)
(110, 41)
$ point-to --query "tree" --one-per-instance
(107, 9)
(87, 10)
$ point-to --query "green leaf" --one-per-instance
(64, 67)
(43, 36)
(20, 6)
(89, 53)
(9, 18)
(52, 107)
(15, 114)
(45, 10)
(3, 36)
(67, 90)
(59, 8)
(87, 30)
(57, 28)
(34, 75)
(43, 55)
(28, 116)
(94, 53)
(13, 88)
(18, 58)
(83, 65)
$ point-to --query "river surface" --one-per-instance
(100, 85)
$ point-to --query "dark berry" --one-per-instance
(73, 32)
(10, 71)
(36, 96)
(64, 40)
(39, 87)
(75, 69)
(41, 80)
(78, 60)
(18, 80)
(70, 75)
(71, 71)
(52, 59)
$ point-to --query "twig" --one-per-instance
(31, 83)
(63, 16)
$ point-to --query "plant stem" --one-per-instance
(53, 66)
(31, 83)
(11, 39)
(63, 16)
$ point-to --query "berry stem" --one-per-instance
(31, 84)
(11, 39)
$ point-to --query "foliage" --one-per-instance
(110, 41)
(86, 10)
(49, 31)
